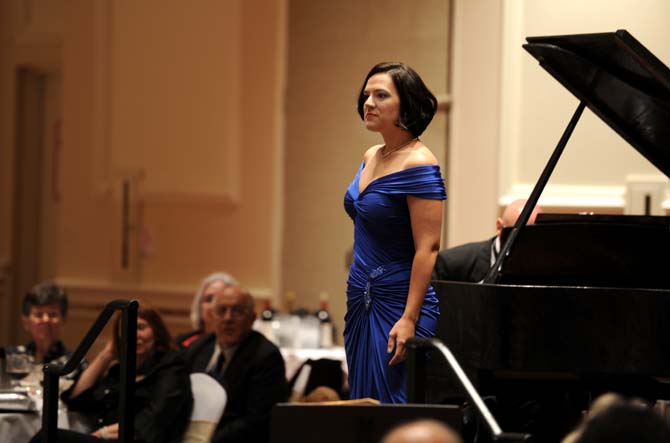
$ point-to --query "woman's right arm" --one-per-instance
(95, 370)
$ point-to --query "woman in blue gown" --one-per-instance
(395, 202)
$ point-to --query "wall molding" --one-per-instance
(101, 291)
(576, 196)
(220, 202)
(573, 196)
(106, 167)
(87, 297)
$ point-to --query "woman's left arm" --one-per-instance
(426, 219)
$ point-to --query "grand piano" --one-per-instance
(575, 304)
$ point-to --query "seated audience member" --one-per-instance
(44, 309)
(162, 399)
(599, 405)
(250, 368)
(470, 262)
(624, 423)
(422, 431)
(201, 315)
(613, 418)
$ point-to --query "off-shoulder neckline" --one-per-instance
(373, 181)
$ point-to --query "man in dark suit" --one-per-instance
(250, 368)
(471, 261)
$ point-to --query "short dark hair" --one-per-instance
(417, 104)
(626, 423)
(42, 294)
(162, 339)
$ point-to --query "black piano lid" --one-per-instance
(619, 80)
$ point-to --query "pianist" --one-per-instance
(471, 261)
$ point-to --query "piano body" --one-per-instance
(577, 303)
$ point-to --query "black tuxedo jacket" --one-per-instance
(255, 380)
(467, 263)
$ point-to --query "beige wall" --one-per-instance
(166, 109)
(186, 104)
(235, 122)
(508, 113)
(53, 146)
(325, 139)
(474, 129)
(597, 162)
(31, 41)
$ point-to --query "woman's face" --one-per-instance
(382, 104)
(44, 323)
(145, 339)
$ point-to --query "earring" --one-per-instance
(400, 124)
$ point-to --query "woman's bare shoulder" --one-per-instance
(420, 156)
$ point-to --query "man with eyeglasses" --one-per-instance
(248, 366)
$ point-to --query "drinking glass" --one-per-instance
(18, 364)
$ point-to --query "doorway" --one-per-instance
(36, 194)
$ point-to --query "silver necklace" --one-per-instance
(391, 151)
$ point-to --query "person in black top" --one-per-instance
(162, 400)
(43, 315)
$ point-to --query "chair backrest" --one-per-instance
(209, 401)
(314, 373)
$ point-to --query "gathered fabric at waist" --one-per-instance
(382, 289)
(391, 272)
(388, 280)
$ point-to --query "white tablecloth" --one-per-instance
(19, 427)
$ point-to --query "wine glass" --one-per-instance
(18, 364)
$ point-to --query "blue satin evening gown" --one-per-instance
(379, 278)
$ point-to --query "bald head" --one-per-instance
(422, 431)
(511, 214)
